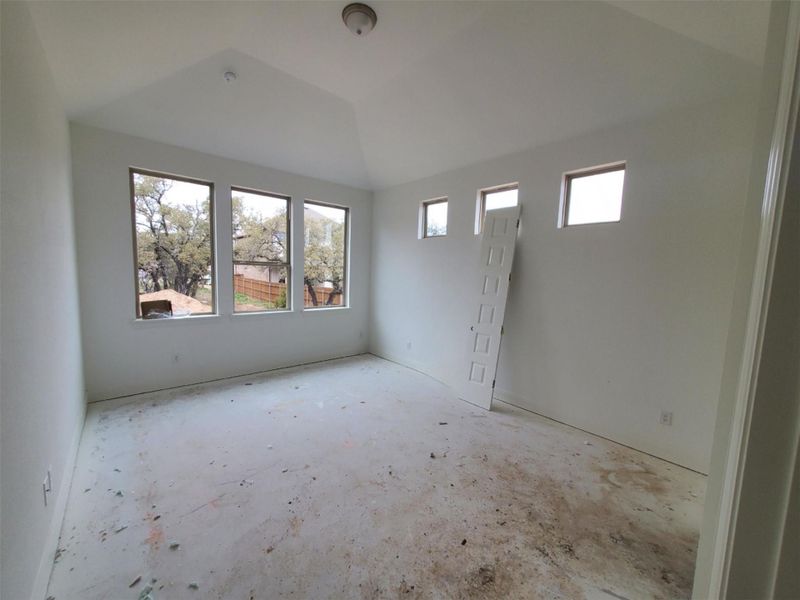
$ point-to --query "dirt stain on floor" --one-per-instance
(529, 511)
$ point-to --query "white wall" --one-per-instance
(41, 382)
(124, 356)
(607, 324)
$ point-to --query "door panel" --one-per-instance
(489, 302)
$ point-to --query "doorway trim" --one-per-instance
(771, 213)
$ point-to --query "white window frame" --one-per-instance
(480, 205)
(566, 185)
(265, 263)
(345, 263)
(422, 234)
(212, 224)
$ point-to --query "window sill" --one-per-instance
(185, 319)
(324, 309)
(261, 313)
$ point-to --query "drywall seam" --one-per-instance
(59, 510)
(759, 302)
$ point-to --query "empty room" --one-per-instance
(431, 299)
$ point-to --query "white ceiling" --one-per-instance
(436, 85)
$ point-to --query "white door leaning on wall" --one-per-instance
(490, 290)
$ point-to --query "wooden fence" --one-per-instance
(267, 291)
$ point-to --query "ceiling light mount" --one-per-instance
(359, 18)
(229, 76)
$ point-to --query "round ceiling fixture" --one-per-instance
(359, 18)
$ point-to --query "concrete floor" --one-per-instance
(359, 478)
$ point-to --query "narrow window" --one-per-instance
(434, 218)
(592, 195)
(173, 245)
(261, 250)
(325, 262)
(493, 198)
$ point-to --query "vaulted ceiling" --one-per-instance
(436, 85)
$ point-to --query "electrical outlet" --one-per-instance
(666, 417)
(408, 345)
(47, 486)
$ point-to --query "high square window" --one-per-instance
(592, 195)
(496, 197)
(433, 218)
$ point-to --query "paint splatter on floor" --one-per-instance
(282, 495)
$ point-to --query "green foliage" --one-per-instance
(173, 240)
(256, 238)
(240, 298)
(280, 301)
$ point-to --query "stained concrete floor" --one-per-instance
(359, 478)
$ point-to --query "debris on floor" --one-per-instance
(542, 517)
(147, 593)
(135, 581)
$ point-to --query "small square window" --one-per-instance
(494, 198)
(434, 218)
(592, 196)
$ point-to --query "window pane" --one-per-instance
(260, 223)
(494, 200)
(435, 219)
(501, 199)
(595, 198)
(258, 288)
(325, 243)
(173, 243)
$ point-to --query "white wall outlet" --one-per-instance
(666, 417)
(47, 486)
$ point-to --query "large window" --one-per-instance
(592, 195)
(325, 265)
(261, 249)
(173, 245)
(434, 218)
(493, 198)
